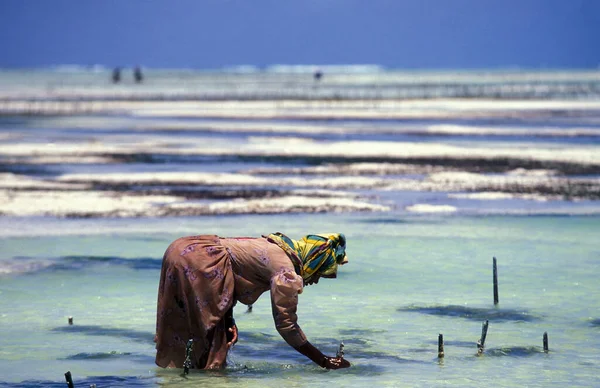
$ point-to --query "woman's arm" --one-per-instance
(285, 288)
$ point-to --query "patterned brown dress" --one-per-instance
(201, 279)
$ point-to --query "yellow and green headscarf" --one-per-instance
(314, 253)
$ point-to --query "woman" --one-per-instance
(202, 278)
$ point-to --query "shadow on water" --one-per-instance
(381, 356)
(259, 345)
(100, 381)
(458, 344)
(595, 322)
(26, 265)
(138, 263)
(357, 337)
(474, 313)
(114, 355)
(147, 239)
(389, 220)
(97, 330)
(515, 351)
(367, 332)
(432, 347)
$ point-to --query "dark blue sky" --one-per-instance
(411, 34)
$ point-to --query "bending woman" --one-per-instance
(202, 278)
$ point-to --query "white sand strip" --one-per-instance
(543, 181)
(427, 208)
(288, 204)
(286, 147)
(113, 204)
(580, 154)
(405, 150)
(546, 187)
(351, 169)
(497, 196)
(508, 131)
(79, 203)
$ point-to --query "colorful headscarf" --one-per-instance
(314, 253)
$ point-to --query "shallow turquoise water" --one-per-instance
(409, 279)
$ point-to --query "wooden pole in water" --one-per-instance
(188, 357)
(545, 340)
(495, 270)
(441, 346)
(481, 342)
(69, 379)
(340, 351)
(70, 320)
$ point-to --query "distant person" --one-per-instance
(317, 75)
(137, 74)
(116, 75)
(202, 278)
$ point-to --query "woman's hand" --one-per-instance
(232, 330)
(320, 359)
(336, 363)
(232, 336)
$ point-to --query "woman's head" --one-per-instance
(315, 255)
(321, 254)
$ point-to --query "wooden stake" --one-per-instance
(340, 352)
(481, 342)
(545, 341)
(495, 283)
(441, 346)
(69, 379)
(188, 357)
(70, 320)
